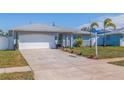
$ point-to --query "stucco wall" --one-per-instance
(100, 40)
(86, 40)
(113, 40)
(10, 43)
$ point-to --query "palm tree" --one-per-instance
(107, 23)
(92, 26)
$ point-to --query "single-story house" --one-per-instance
(35, 36)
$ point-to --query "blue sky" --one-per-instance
(71, 20)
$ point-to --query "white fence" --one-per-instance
(3, 43)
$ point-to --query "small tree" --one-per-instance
(78, 42)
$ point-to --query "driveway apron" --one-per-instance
(54, 64)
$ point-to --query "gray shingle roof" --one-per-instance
(120, 31)
(113, 32)
(47, 28)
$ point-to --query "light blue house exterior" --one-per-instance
(68, 40)
(113, 38)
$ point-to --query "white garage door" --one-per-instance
(36, 41)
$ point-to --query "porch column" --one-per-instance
(67, 41)
(64, 40)
(71, 40)
(57, 38)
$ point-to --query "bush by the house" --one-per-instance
(78, 42)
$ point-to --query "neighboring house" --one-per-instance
(35, 36)
(113, 38)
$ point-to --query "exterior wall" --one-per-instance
(7, 42)
(3, 43)
(86, 40)
(113, 40)
(11, 40)
(100, 40)
(10, 43)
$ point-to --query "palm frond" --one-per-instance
(111, 25)
(94, 24)
(107, 21)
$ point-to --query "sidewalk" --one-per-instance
(111, 59)
(15, 69)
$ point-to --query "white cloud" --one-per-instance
(118, 20)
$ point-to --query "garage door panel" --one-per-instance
(34, 45)
(36, 41)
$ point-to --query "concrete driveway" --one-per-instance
(53, 64)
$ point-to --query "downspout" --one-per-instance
(13, 34)
(17, 40)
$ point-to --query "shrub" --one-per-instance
(78, 42)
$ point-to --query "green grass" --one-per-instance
(104, 52)
(11, 59)
(119, 63)
(17, 76)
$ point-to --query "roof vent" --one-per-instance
(53, 24)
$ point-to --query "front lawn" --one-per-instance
(104, 52)
(119, 63)
(17, 76)
(11, 59)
